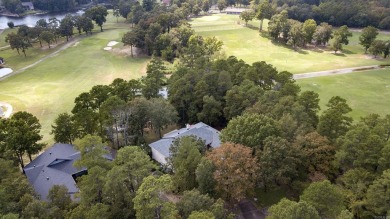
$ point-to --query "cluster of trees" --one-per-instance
(289, 145)
(119, 112)
(160, 30)
(297, 34)
(14, 6)
(50, 31)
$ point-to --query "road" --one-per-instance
(336, 72)
(63, 47)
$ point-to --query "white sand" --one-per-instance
(5, 71)
(112, 43)
(107, 48)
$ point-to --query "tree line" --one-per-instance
(51, 30)
(297, 34)
(15, 6)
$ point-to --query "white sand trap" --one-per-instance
(108, 48)
(8, 110)
(112, 43)
(5, 71)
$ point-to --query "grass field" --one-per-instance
(50, 87)
(366, 92)
(246, 43)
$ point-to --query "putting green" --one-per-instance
(366, 92)
(245, 42)
(50, 87)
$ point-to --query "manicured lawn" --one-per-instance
(50, 87)
(246, 43)
(366, 92)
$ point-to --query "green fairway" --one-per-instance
(247, 44)
(366, 92)
(49, 88)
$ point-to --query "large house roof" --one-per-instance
(200, 130)
(54, 167)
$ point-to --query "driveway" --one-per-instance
(249, 210)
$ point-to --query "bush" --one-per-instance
(11, 24)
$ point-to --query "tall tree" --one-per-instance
(161, 114)
(378, 194)
(149, 202)
(155, 78)
(286, 209)
(204, 176)
(21, 136)
(193, 201)
(334, 121)
(98, 14)
(264, 11)
(92, 152)
(47, 36)
(325, 197)
(368, 36)
(309, 28)
(63, 129)
(235, 171)
(250, 130)
(247, 15)
(66, 27)
(185, 157)
(323, 33)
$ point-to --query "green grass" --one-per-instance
(4, 34)
(246, 43)
(50, 87)
(366, 92)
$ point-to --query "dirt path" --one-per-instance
(336, 72)
(63, 47)
(7, 113)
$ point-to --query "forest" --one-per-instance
(275, 137)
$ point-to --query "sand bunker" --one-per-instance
(112, 43)
(5, 71)
(6, 110)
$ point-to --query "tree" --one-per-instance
(235, 171)
(221, 5)
(206, 5)
(201, 215)
(247, 15)
(47, 36)
(204, 176)
(18, 42)
(92, 185)
(59, 197)
(131, 166)
(98, 14)
(378, 194)
(368, 36)
(185, 157)
(309, 28)
(161, 114)
(92, 152)
(278, 162)
(323, 33)
(264, 11)
(341, 36)
(240, 97)
(277, 24)
(318, 153)
(155, 78)
(377, 47)
(193, 201)
(286, 209)
(66, 27)
(87, 25)
(297, 35)
(21, 136)
(334, 121)
(211, 112)
(325, 197)
(64, 129)
(337, 45)
(11, 24)
(134, 38)
(148, 201)
(310, 102)
(250, 130)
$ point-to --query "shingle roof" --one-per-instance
(54, 167)
(200, 130)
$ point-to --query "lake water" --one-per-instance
(31, 20)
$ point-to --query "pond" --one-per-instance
(31, 20)
(5, 71)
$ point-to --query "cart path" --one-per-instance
(338, 71)
(63, 47)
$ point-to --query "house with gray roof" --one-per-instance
(55, 167)
(160, 148)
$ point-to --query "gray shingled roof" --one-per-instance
(54, 167)
(200, 130)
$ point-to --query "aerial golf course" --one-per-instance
(49, 87)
